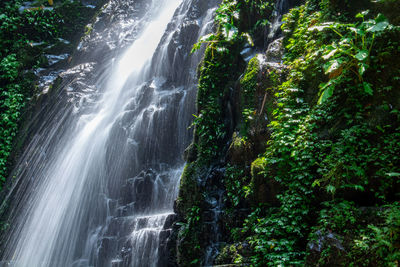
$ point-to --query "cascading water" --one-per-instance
(96, 184)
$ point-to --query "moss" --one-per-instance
(189, 194)
(257, 167)
(345, 149)
(249, 82)
(240, 151)
(217, 72)
(189, 208)
(232, 255)
(264, 189)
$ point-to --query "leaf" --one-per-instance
(393, 174)
(331, 189)
(367, 88)
(332, 66)
(196, 47)
(336, 73)
(321, 27)
(208, 38)
(316, 183)
(381, 26)
(230, 32)
(51, 2)
(357, 31)
(346, 42)
(362, 14)
(249, 39)
(327, 93)
(362, 55)
(380, 18)
(330, 54)
(362, 67)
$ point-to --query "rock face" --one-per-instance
(290, 189)
(205, 188)
(122, 182)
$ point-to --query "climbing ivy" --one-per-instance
(344, 145)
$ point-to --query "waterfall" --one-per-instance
(96, 183)
(281, 8)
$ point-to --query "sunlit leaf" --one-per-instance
(393, 174)
(330, 54)
(362, 14)
(333, 65)
(321, 27)
(326, 93)
(362, 55)
(381, 26)
(362, 67)
(249, 39)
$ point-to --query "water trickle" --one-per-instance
(96, 183)
(281, 8)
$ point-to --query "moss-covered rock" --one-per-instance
(348, 235)
(264, 189)
(291, 154)
(189, 194)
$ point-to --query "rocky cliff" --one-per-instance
(295, 159)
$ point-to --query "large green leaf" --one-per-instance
(362, 55)
(332, 66)
(326, 93)
(330, 54)
(380, 26)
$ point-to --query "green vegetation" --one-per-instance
(325, 188)
(25, 34)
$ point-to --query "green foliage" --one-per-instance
(338, 216)
(217, 68)
(385, 238)
(345, 145)
(23, 36)
(236, 184)
(234, 19)
(334, 142)
(9, 67)
(351, 53)
(249, 85)
(368, 237)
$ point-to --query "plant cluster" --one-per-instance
(24, 35)
(336, 140)
(333, 146)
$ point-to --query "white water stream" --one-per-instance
(83, 207)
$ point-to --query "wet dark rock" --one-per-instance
(169, 221)
(324, 242)
(275, 51)
(208, 216)
(265, 189)
(106, 248)
(240, 151)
